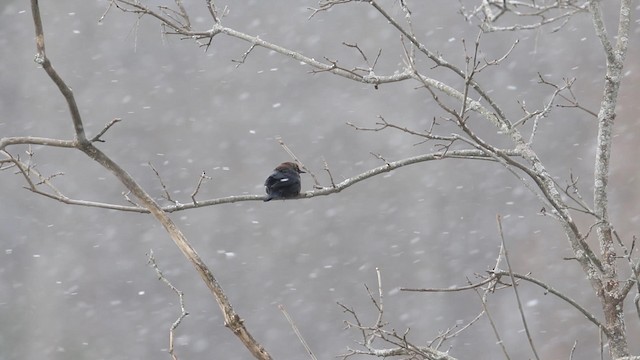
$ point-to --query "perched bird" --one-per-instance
(284, 182)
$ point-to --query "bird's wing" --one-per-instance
(278, 180)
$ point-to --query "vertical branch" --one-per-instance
(610, 295)
(379, 322)
(606, 116)
(515, 288)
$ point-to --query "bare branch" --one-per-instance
(33, 140)
(452, 288)
(450, 333)
(105, 129)
(297, 331)
(232, 319)
(634, 265)
(573, 349)
(438, 60)
(321, 191)
(202, 178)
(493, 113)
(383, 124)
(244, 56)
(105, 12)
(211, 6)
(494, 327)
(326, 168)
(326, 5)
(610, 292)
(380, 303)
(571, 98)
(164, 188)
(474, 101)
(403, 347)
(371, 66)
(297, 160)
(555, 292)
(515, 288)
(499, 60)
(41, 59)
(572, 192)
(534, 14)
(183, 311)
(176, 28)
(126, 196)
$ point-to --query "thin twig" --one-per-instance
(105, 129)
(202, 178)
(440, 61)
(294, 157)
(164, 188)
(326, 168)
(555, 292)
(244, 56)
(452, 288)
(105, 12)
(573, 349)
(449, 333)
(515, 288)
(496, 333)
(601, 341)
(297, 331)
(379, 322)
(183, 311)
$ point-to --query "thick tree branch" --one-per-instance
(610, 294)
(232, 320)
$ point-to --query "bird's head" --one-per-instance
(291, 166)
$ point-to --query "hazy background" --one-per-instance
(74, 281)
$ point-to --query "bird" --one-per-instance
(284, 182)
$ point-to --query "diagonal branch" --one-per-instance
(41, 58)
(232, 320)
(515, 288)
(555, 292)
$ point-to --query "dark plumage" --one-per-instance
(284, 182)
